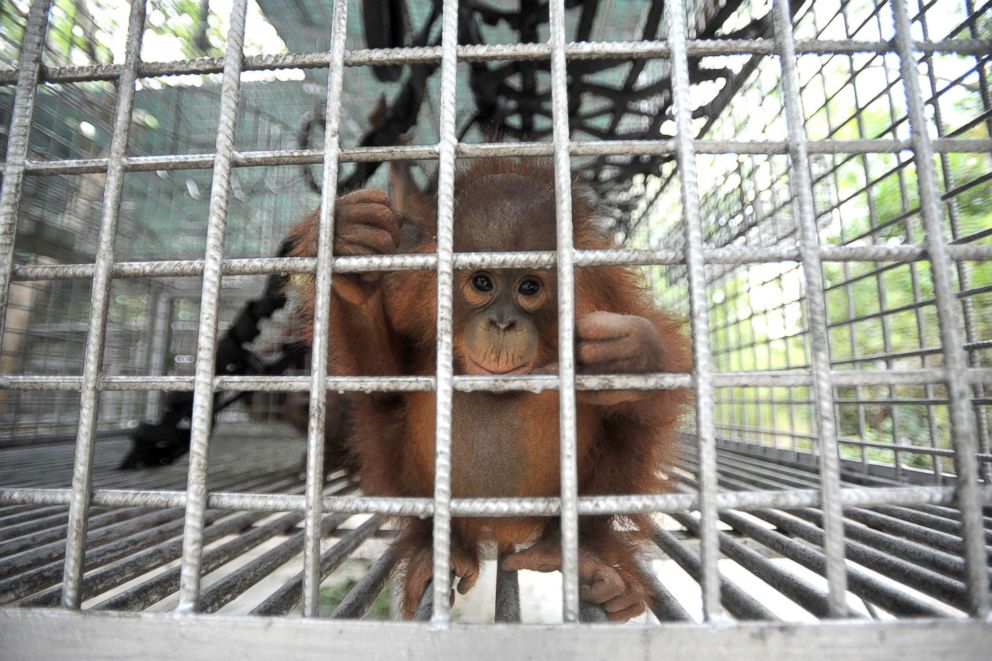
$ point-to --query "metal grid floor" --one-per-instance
(901, 561)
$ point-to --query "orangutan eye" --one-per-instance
(482, 282)
(529, 287)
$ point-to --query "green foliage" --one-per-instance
(332, 595)
(874, 309)
(75, 36)
(180, 21)
(12, 27)
(81, 31)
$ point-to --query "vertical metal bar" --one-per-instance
(835, 205)
(879, 283)
(949, 318)
(566, 318)
(152, 339)
(160, 344)
(907, 203)
(206, 348)
(322, 315)
(696, 268)
(18, 141)
(971, 333)
(833, 523)
(445, 284)
(79, 505)
(507, 594)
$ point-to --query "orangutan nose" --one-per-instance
(502, 323)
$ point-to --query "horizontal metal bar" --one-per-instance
(58, 635)
(904, 253)
(283, 157)
(535, 259)
(532, 383)
(506, 507)
(103, 538)
(102, 524)
(490, 53)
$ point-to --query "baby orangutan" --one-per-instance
(505, 322)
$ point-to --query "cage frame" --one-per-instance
(53, 632)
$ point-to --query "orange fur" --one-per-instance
(622, 447)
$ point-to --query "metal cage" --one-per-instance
(810, 184)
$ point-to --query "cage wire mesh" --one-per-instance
(822, 220)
